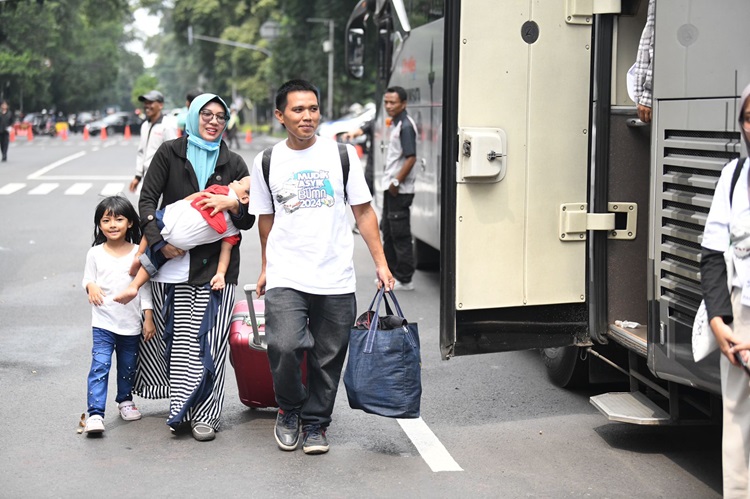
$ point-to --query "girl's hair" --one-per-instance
(117, 206)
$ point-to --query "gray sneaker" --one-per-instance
(314, 439)
(286, 430)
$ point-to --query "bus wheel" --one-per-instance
(565, 368)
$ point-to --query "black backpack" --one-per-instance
(266, 164)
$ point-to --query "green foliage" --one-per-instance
(143, 84)
(70, 54)
(61, 54)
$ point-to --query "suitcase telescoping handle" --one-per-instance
(249, 290)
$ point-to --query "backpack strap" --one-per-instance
(266, 166)
(736, 177)
(344, 155)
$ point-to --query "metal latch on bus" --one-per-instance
(482, 155)
(619, 222)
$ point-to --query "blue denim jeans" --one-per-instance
(296, 323)
(126, 349)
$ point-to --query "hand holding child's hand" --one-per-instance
(96, 295)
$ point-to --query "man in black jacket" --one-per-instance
(6, 121)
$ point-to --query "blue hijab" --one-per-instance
(202, 153)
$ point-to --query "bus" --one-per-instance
(561, 221)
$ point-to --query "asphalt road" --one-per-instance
(506, 430)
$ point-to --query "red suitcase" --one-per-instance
(248, 354)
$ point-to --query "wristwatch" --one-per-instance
(395, 182)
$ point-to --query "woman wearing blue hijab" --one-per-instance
(186, 360)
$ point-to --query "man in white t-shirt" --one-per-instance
(154, 132)
(308, 270)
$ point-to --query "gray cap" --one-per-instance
(153, 96)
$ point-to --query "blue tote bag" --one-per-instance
(383, 375)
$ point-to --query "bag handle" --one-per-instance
(388, 309)
(379, 296)
(249, 289)
(370, 341)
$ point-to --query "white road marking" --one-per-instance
(42, 189)
(87, 177)
(37, 174)
(78, 188)
(431, 449)
(11, 188)
(112, 189)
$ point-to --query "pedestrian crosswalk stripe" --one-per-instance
(11, 188)
(112, 189)
(38, 174)
(44, 188)
(78, 188)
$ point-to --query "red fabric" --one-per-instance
(217, 222)
(233, 240)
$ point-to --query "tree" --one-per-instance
(61, 54)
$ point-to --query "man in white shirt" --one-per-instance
(153, 133)
(307, 264)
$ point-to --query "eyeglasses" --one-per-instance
(207, 116)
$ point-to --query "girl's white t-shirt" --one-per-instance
(111, 274)
(310, 246)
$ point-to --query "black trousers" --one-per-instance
(395, 225)
(4, 139)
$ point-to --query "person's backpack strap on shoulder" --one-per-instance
(266, 166)
(736, 176)
(344, 155)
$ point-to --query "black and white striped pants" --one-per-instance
(180, 371)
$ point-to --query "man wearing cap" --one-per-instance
(153, 134)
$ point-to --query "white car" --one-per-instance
(356, 117)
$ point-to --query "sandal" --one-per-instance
(202, 432)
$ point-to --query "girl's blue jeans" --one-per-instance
(126, 349)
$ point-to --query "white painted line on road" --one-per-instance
(432, 450)
(88, 177)
(42, 189)
(112, 189)
(78, 188)
(37, 174)
(11, 188)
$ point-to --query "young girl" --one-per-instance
(116, 327)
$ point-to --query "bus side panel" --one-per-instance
(508, 247)
(699, 45)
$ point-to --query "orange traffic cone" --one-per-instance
(85, 133)
(64, 133)
(127, 132)
(360, 152)
(12, 137)
(179, 133)
(104, 133)
(249, 136)
(29, 134)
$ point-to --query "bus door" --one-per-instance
(515, 219)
